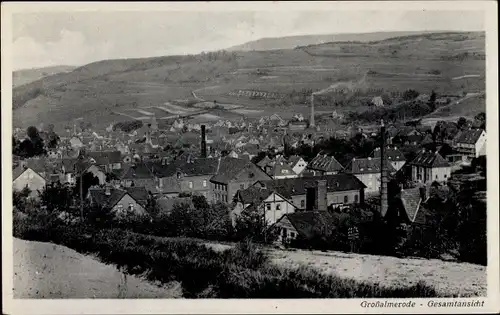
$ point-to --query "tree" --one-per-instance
(57, 198)
(33, 145)
(481, 117)
(89, 180)
(410, 94)
(462, 123)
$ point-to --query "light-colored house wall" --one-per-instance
(275, 207)
(372, 182)
(30, 179)
(440, 174)
(94, 170)
(122, 206)
(300, 166)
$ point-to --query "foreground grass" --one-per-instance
(241, 272)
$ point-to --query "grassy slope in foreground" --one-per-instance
(43, 270)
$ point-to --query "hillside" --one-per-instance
(261, 82)
(25, 76)
(44, 270)
(291, 42)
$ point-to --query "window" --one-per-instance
(120, 207)
(131, 207)
(225, 198)
(445, 175)
(356, 198)
(268, 206)
(436, 177)
(242, 186)
(204, 183)
(292, 234)
(278, 207)
(346, 199)
(302, 203)
(190, 184)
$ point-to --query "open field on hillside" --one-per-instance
(447, 277)
(447, 63)
(44, 270)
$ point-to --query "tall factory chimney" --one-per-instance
(383, 173)
(203, 142)
(312, 124)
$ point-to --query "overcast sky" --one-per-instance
(77, 38)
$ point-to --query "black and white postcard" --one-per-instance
(239, 157)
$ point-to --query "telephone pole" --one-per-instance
(81, 169)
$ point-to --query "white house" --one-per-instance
(471, 143)
(27, 177)
(270, 204)
(297, 164)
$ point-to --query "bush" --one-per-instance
(242, 272)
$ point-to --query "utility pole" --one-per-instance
(80, 163)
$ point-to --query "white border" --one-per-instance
(291, 306)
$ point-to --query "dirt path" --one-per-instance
(447, 277)
(44, 270)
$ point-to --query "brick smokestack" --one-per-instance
(383, 173)
(321, 201)
(312, 124)
(203, 142)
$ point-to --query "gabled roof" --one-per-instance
(470, 136)
(392, 154)
(105, 157)
(138, 193)
(137, 171)
(191, 167)
(253, 194)
(325, 163)
(41, 166)
(99, 196)
(262, 163)
(314, 223)
(430, 159)
(294, 159)
(230, 168)
(367, 166)
(297, 186)
(281, 169)
(411, 202)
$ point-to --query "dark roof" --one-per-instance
(367, 166)
(252, 194)
(430, 159)
(99, 196)
(262, 163)
(313, 223)
(391, 153)
(41, 166)
(297, 186)
(105, 157)
(191, 167)
(325, 163)
(137, 171)
(411, 202)
(294, 159)
(230, 168)
(138, 193)
(280, 169)
(470, 136)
